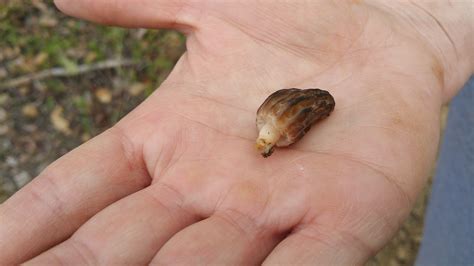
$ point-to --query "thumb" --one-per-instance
(178, 15)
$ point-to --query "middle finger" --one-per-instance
(226, 238)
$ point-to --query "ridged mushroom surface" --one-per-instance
(288, 114)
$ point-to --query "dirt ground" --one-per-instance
(100, 74)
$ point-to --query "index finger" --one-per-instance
(142, 13)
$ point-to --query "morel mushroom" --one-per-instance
(288, 114)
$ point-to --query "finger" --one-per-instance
(223, 239)
(68, 193)
(143, 13)
(313, 245)
(129, 232)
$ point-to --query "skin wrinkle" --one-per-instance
(160, 168)
(397, 117)
(312, 223)
(245, 189)
(156, 235)
(106, 16)
(293, 28)
(278, 226)
(374, 48)
(55, 207)
(51, 199)
(180, 15)
(404, 196)
(438, 71)
(189, 15)
(179, 202)
(264, 208)
(327, 68)
(172, 161)
(427, 90)
(340, 60)
(53, 259)
(155, 169)
(349, 49)
(237, 27)
(393, 75)
(334, 237)
(160, 149)
(413, 21)
(382, 223)
(198, 44)
(206, 100)
(311, 77)
(263, 42)
(220, 200)
(271, 39)
(177, 196)
(365, 100)
(194, 43)
(389, 129)
(212, 128)
(133, 155)
(119, 8)
(268, 198)
(387, 222)
(249, 227)
(439, 25)
(84, 251)
(205, 212)
(203, 97)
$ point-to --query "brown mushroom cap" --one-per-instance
(288, 114)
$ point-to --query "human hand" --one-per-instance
(178, 179)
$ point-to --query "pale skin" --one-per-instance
(178, 180)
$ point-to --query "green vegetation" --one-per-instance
(43, 119)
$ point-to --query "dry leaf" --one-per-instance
(4, 98)
(136, 89)
(3, 72)
(90, 57)
(29, 110)
(3, 115)
(40, 58)
(24, 90)
(85, 137)
(40, 5)
(60, 123)
(22, 178)
(3, 130)
(48, 21)
(103, 95)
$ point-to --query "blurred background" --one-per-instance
(63, 81)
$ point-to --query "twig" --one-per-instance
(63, 72)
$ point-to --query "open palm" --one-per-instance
(178, 180)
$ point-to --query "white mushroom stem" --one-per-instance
(267, 138)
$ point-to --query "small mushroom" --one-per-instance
(288, 114)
